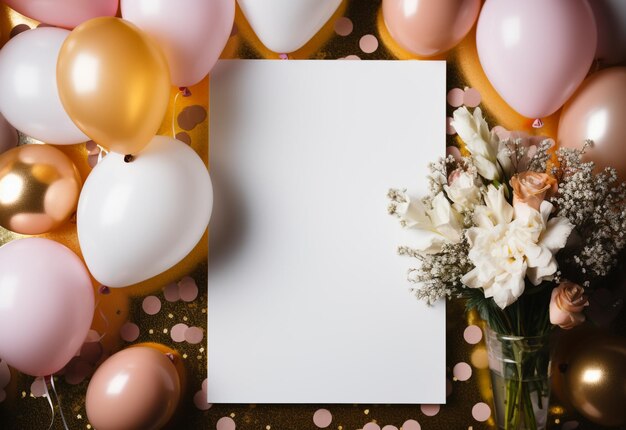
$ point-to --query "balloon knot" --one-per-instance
(104, 290)
(170, 356)
(537, 123)
(283, 56)
(185, 91)
(128, 158)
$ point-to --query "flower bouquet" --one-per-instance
(519, 231)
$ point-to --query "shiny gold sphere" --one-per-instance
(596, 381)
(39, 188)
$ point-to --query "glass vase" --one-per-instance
(520, 379)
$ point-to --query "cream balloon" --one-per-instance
(286, 25)
(30, 98)
(137, 219)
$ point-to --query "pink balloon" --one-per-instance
(64, 13)
(536, 52)
(429, 27)
(191, 33)
(46, 305)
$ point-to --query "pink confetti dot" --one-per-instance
(481, 412)
(449, 127)
(411, 425)
(129, 332)
(171, 293)
(462, 371)
(77, 371)
(178, 332)
(343, 26)
(5, 374)
(322, 418)
(188, 289)
(570, 425)
(455, 97)
(151, 305)
(225, 423)
(471, 97)
(3, 395)
(368, 43)
(473, 334)
(92, 336)
(390, 427)
(38, 387)
(204, 385)
(194, 335)
(371, 426)
(91, 352)
(455, 152)
(352, 57)
(199, 399)
(430, 410)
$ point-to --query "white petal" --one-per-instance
(486, 168)
(536, 275)
(473, 279)
(426, 241)
(557, 231)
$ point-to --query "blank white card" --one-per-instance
(308, 300)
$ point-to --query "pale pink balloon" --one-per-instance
(536, 52)
(64, 13)
(46, 305)
(191, 33)
(429, 27)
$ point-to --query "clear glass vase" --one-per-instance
(520, 379)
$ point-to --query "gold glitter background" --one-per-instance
(21, 410)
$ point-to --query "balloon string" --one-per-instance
(56, 396)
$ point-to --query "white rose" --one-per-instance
(480, 142)
(464, 190)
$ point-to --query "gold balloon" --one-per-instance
(39, 188)
(596, 381)
(114, 83)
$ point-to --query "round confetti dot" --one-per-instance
(455, 97)
(371, 426)
(77, 371)
(322, 418)
(343, 26)
(368, 43)
(462, 371)
(411, 425)
(481, 412)
(480, 358)
(188, 289)
(194, 335)
(471, 97)
(38, 387)
(129, 332)
(570, 425)
(204, 385)
(449, 127)
(199, 399)
(472, 334)
(352, 57)
(178, 332)
(390, 427)
(455, 152)
(430, 410)
(151, 305)
(5, 374)
(3, 395)
(91, 352)
(225, 423)
(92, 336)
(171, 293)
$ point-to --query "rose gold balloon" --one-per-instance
(597, 111)
(429, 27)
(39, 188)
(137, 388)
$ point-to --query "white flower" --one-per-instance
(433, 227)
(464, 190)
(480, 142)
(507, 245)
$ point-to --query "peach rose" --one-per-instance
(531, 188)
(567, 304)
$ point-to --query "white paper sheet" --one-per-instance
(308, 300)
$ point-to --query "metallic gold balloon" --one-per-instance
(114, 83)
(39, 188)
(596, 381)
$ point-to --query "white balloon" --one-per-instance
(286, 25)
(138, 219)
(28, 85)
